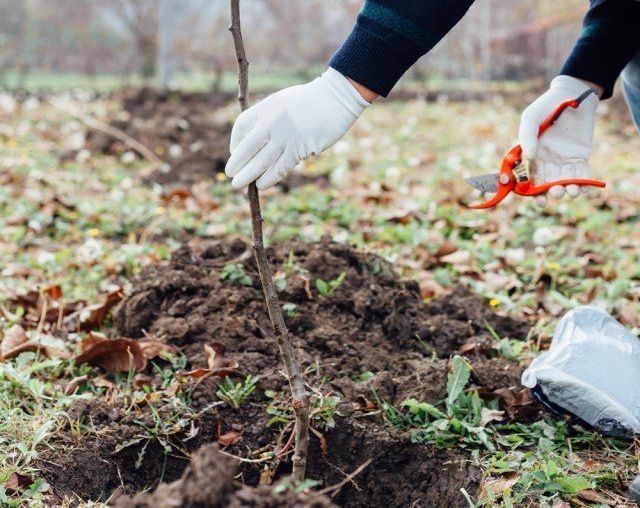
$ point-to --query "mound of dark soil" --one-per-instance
(180, 127)
(374, 323)
(208, 481)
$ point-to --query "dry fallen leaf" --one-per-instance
(518, 402)
(266, 476)
(74, 384)
(113, 355)
(154, 348)
(15, 341)
(217, 364)
(592, 496)
(490, 415)
(93, 316)
(629, 316)
(229, 438)
(494, 489)
(16, 483)
(459, 257)
(447, 248)
(175, 193)
(140, 380)
(203, 196)
(54, 292)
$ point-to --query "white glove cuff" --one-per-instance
(346, 93)
(573, 85)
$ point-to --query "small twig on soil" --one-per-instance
(349, 478)
(120, 135)
(242, 459)
(296, 382)
(283, 451)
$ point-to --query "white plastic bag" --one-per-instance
(592, 371)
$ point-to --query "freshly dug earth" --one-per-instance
(180, 127)
(208, 481)
(374, 323)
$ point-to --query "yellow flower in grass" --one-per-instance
(93, 232)
(494, 302)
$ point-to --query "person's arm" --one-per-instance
(610, 37)
(390, 36)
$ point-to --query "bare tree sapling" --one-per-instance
(300, 398)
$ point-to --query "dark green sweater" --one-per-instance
(390, 35)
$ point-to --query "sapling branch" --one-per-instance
(296, 381)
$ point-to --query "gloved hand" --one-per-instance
(272, 137)
(563, 151)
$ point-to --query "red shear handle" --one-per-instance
(551, 119)
(528, 189)
(571, 103)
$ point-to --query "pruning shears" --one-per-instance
(514, 173)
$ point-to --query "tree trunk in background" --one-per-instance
(486, 37)
(165, 62)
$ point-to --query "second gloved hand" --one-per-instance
(564, 150)
(272, 137)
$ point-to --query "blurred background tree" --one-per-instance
(497, 40)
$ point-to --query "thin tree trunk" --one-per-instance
(296, 382)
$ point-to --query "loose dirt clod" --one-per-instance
(371, 323)
(208, 482)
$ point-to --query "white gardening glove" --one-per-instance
(272, 137)
(562, 151)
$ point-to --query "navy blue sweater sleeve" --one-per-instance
(390, 35)
(610, 37)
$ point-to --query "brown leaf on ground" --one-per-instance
(518, 402)
(266, 476)
(113, 355)
(92, 316)
(593, 497)
(490, 415)
(174, 193)
(141, 380)
(217, 364)
(89, 317)
(546, 303)
(202, 195)
(447, 247)
(481, 347)
(54, 291)
(23, 297)
(16, 483)
(15, 341)
(493, 489)
(229, 438)
(74, 384)
(629, 316)
(154, 348)
(458, 258)
(43, 305)
(365, 404)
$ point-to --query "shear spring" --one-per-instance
(521, 172)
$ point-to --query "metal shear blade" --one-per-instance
(484, 183)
